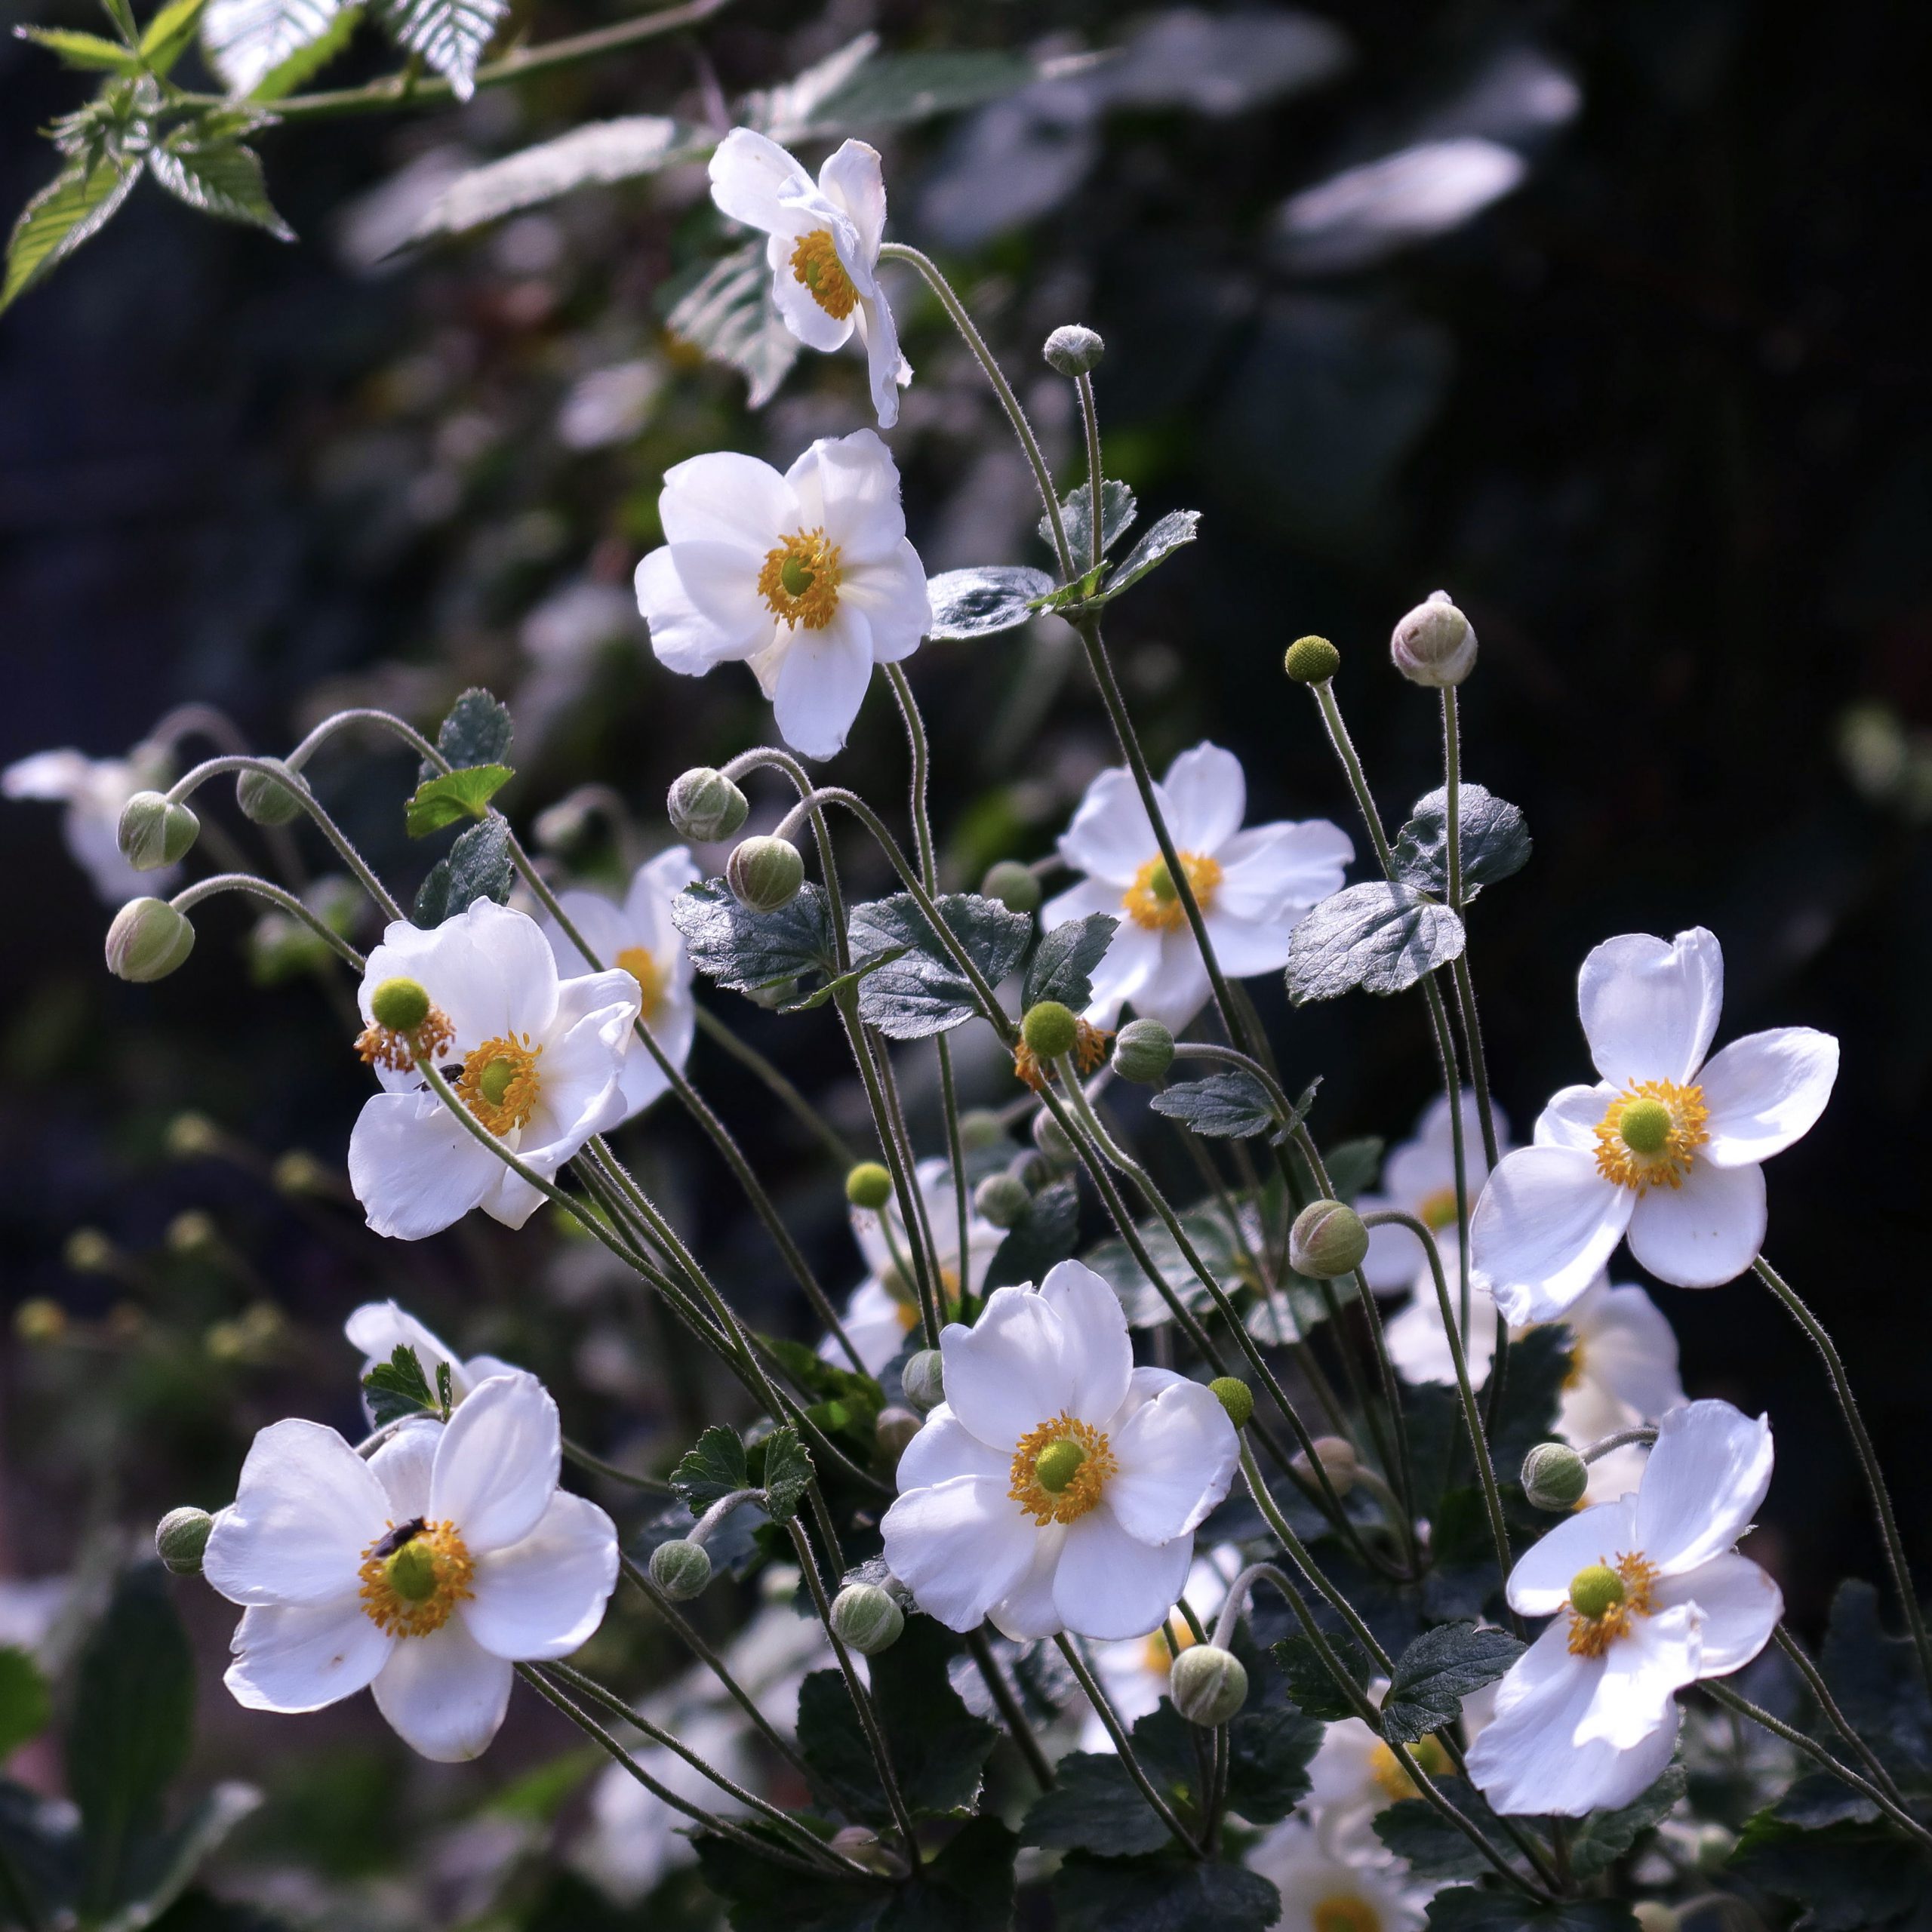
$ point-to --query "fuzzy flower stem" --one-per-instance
(191, 896)
(595, 1465)
(1854, 1422)
(1822, 1694)
(1069, 1649)
(1011, 1708)
(1090, 417)
(1622, 1439)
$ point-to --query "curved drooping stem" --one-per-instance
(190, 896)
(1123, 1740)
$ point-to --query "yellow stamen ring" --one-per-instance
(1153, 901)
(1345, 1911)
(1650, 1134)
(500, 1083)
(815, 264)
(800, 580)
(1066, 1494)
(414, 1577)
(1614, 1595)
(641, 964)
(1390, 1768)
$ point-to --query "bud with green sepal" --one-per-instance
(923, 1379)
(866, 1619)
(1050, 1138)
(155, 832)
(1208, 1684)
(1013, 885)
(148, 940)
(704, 804)
(1001, 1199)
(1327, 1240)
(765, 874)
(1435, 645)
(1073, 350)
(1143, 1051)
(267, 799)
(180, 1537)
(1235, 1396)
(1050, 1029)
(1554, 1477)
(680, 1568)
(868, 1185)
(1311, 660)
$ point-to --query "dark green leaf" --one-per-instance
(1353, 1166)
(841, 1399)
(218, 178)
(1818, 1799)
(1466, 1909)
(450, 35)
(923, 991)
(1379, 936)
(166, 35)
(1604, 1837)
(1117, 512)
(788, 1473)
(1852, 1877)
(1044, 1234)
(76, 204)
(1268, 1752)
(745, 950)
(399, 1387)
(39, 1853)
(1161, 1894)
(24, 1709)
(1434, 1848)
(88, 52)
(968, 1888)
(1311, 1684)
(892, 88)
(764, 1897)
(129, 1730)
(162, 1867)
(1062, 967)
(1231, 1105)
(832, 989)
(478, 866)
(445, 1389)
(1496, 841)
(1873, 1676)
(1155, 546)
(464, 793)
(978, 603)
(1437, 1671)
(477, 730)
(730, 316)
(1228, 1254)
(711, 1469)
(1094, 1806)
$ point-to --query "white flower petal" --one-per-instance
(405, 1465)
(305, 1509)
(1177, 988)
(1130, 964)
(1269, 870)
(1627, 1348)
(1007, 1373)
(721, 581)
(1573, 1116)
(750, 173)
(1110, 836)
(892, 594)
(1706, 1476)
(815, 326)
(1111, 1584)
(496, 1465)
(1543, 1229)
(414, 1166)
(1245, 948)
(849, 485)
(876, 1323)
(544, 1597)
(1764, 1091)
(1176, 1456)
(1643, 1670)
(959, 1547)
(1418, 1342)
(723, 497)
(1740, 1606)
(58, 776)
(1704, 1233)
(378, 1328)
(445, 1694)
(489, 968)
(1649, 1006)
(683, 639)
(1539, 1584)
(944, 1448)
(300, 1657)
(654, 887)
(822, 683)
(886, 370)
(1096, 1350)
(852, 180)
(1204, 797)
(1027, 1613)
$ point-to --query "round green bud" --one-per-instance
(267, 800)
(191, 1136)
(765, 874)
(1338, 1460)
(923, 1379)
(155, 832)
(1055, 1149)
(1013, 885)
(1143, 1051)
(1435, 645)
(1595, 1592)
(1554, 1477)
(893, 1432)
(1057, 1464)
(980, 1128)
(1207, 1683)
(401, 1005)
(1072, 350)
(1644, 1126)
(704, 804)
(1050, 1029)
(866, 1619)
(1235, 1396)
(88, 1251)
(1327, 1239)
(1001, 1199)
(148, 940)
(868, 1185)
(180, 1538)
(680, 1568)
(1311, 660)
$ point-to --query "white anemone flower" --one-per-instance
(884, 1308)
(1665, 1148)
(1057, 1487)
(378, 1328)
(542, 1064)
(808, 577)
(637, 935)
(1252, 887)
(94, 790)
(1647, 1596)
(1324, 1890)
(422, 1573)
(1136, 1672)
(823, 248)
(1419, 1178)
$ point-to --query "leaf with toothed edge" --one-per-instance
(1062, 967)
(1380, 937)
(1437, 1671)
(1117, 507)
(450, 35)
(712, 1468)
(744, 950)
(982, 602)
(921, 991)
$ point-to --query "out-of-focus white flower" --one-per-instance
(638, 936)
(422, 1573)
(808, 577)
(93, 790)
(543, 1061)
(1364, 214)
(1419, 1178)
(378, 1328)
(1664, 1148)
(1647, 1596)
(884, 1307)
(1252, 887)
(823, 247)
(1134, 1672)
(1323, 1891)
(1057, 1487)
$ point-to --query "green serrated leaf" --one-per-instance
(308, 59)
(218, 178)
(923, 991)
(729, 315)
(745, 950)
(478, 866)
(984, 601)
(399, 1388)
(1432, 1847)
(1163, 1894)
(74, 207)
(88, 52)
(1172, 532)
(1093, 1805)
(1231, 1105)
(1852, 1877)
(1269, 1754)
(788, 1473)
(1311, 1684)
(477, 730)
(254, 45)
(1117, 507)
(169, 32)
(1466, 1909)
(711, 1469)
(1380, 937)
(462, 794)
(1437, 1671)
(450, 35)
(25, 1707)
(1494, 837)
(1604, 1837)
(1062, 967)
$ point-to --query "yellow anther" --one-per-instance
(815, 262)
(1153, 900)
(800, 580)
(1059, 1470)
(1650, 1134)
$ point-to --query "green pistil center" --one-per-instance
(493, 1082)
(793, 573)
(1058, 1464)
(413, 1573)
(1595, 1592)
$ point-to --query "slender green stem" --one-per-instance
(837, 1149)
(596, 1465)
(1097, 476)
(1821, 1693)
(1070, 1648)
(1868, 1457)
(188, 899)
(1011, 1709)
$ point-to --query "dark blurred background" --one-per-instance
(1616, 341)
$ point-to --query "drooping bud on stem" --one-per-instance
(155, 832)
(180, 1538)
(1072, 350)
(765, 874)
(267, 800)
(1337, 1457)
(923, 1379)
(1001, 1199)
(1327, 1239)
(1207, 1684)
(866, 1619)
(704, 804)
(1554, 1477)
(1143, 1051)
(680, 1568)
(148, 940)
(893, 1432)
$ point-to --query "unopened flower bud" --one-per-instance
(1311, 660)
(1327, 1240)
(1435, 645)
(39, 1321)
(765, 874)
(1554, 1477)
(401, 1005)
(1207, 1683)
(680, 1568)
(1143, 1051)
(893, 1431)
(1072, 350)
(980, 1127)
(180, 1538)
(866, 1619)
(1050, 1138)
(267, 800)
(148, 940)
(1013, 885)
(1235, 1396)
(155, 832)
(1001, 1199)
(88, 1251)
(191, 1136)
(863, 1845)
(1050, 1029)
(868, 1185)
(704, 804)
(1337, 1458)
(923, 1379)
(193, 1232)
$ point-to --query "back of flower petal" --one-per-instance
(1649, 1006)
(1706, 1476)
(1766, 1090)
(414, 1166)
